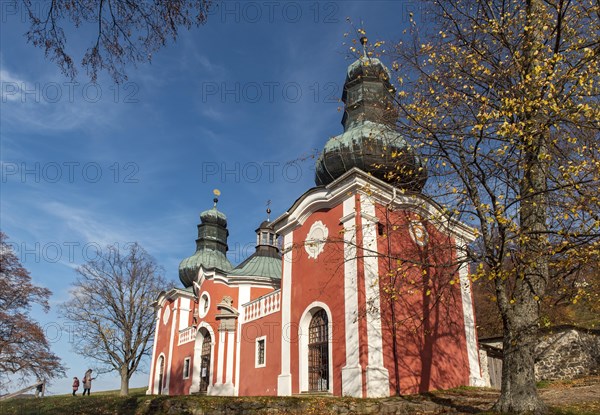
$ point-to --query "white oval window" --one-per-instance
(166, 315)
(316, 238)
(418, 233)
(204, 304)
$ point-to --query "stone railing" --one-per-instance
(187, 335)
(262, 306)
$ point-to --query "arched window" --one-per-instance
(161, 374)
(205, 363)
(318, 352)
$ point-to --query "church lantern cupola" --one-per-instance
(266, 236)
(265, 262)
(370, 140)
(211, 246)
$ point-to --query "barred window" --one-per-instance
(260, 351)
(186, 368)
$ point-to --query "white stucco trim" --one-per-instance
(184, 312)
(351, 372)
(150, 390)
(229, 369)
(378, 383)
(354, 181)
(303, 343)
(284, 380)
(171, 343)
(475, 378)
(243, 298)
(220, 357)
(202, 302)
(196, 360)
(316, 239)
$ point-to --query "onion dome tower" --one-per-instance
(211, 246)
(266, 260)
(370, 141)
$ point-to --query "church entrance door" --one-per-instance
(318, 353)
(205, 363)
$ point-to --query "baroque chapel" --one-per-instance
(358, 289)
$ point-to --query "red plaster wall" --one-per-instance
(162, 343)
(320, 279)
(256, 292)
(430, 334)
(260, 381)
(178, 385)
(217, 291)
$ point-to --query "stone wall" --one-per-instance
(567, 353)
(562, 353)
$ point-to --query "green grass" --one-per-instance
(138, 403)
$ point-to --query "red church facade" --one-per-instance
(358, 289)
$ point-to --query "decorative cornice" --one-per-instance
(357, 181)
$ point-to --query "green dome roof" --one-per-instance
(211, 247)
(370, 141)
(214, 216)
(367, 67)
(259, 266)
(208, 259)
(374, 148)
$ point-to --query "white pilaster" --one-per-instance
(229, 370)
(184, 313)
(174, 332)
(284, 381)
(151, 382)
(475, 378)
(378, 380)
(243, 298)
(351, 372)
(220, 357)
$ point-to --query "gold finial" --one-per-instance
(269, 210)
(217, 193)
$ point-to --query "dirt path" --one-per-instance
(576, 393)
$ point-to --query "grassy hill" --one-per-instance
(580, 397)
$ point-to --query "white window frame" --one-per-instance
(264, 363)
(189, 371)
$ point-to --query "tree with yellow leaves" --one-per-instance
(501, 98)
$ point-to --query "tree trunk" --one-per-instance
(520, 317)
(519, 391)
(124, 381)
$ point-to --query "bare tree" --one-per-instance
(111, 305)
(24, 348)
(501, 98)
(126, 31)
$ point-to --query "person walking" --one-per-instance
(87, 382)
(75, 385)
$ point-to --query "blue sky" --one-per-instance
(229, 105)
